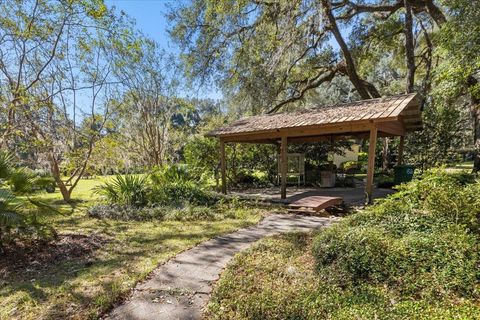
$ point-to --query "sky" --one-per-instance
(150, 19)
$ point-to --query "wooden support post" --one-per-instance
(371, 164)
(400, 150)
(283, 167)
(279, 159)
(223, 166)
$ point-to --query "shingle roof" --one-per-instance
(372, 109)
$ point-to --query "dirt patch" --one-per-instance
(39, 256)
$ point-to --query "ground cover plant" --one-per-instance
(413, 255)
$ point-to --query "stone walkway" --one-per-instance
(180, 288)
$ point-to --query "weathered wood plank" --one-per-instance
(223, 166)
(371, 164)
(283, 166)
(316, 203)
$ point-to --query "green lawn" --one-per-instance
(83, 286)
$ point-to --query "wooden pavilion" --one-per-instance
(368, 119)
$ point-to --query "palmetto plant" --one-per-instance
(6, 166)
(9, 210)
(126, 190)
(17, 216)
(10, 215)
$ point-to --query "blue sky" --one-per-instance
(150, 19)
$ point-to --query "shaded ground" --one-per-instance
(81, 275)
(20, 259)
(351, 196)
(180, 288)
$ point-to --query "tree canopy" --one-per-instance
(273, 55)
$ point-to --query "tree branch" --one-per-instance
(311, 84)
(365, 92)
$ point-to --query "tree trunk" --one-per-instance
(385, 158)
(58, 179)
(409, 47)
(476, 123)
(475, 113)
(64, 190)
(365, 89)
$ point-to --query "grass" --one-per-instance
(276, 279)
(85, 287)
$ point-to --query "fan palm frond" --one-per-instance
(6, 164)
(9, 209)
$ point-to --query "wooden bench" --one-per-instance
(314, 204)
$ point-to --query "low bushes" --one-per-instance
(441, 263)
(187, 212)
(422, 241)
(170, 192)
(414, 255)
(169, 186)
(175, 186)
(277, 278)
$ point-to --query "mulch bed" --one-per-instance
(21, 258)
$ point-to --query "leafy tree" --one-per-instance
(57, 84)
(441, 138)
(269, 55)
(201, 155)
(278, 51)
(150, 102)
(457, 76)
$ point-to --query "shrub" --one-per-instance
(433, 264)
(19, 219)
(187, 212)
(44, 182)
(362, 156)
(174, 185)
(385, 181)
(131, 190)
(357, 254)
(174, 173)
(276, 279)
(10, 215)
(421, 241)
(176, 194)
(350, 166)
(414, 255)
(21, 180)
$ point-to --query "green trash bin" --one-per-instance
(403, 173)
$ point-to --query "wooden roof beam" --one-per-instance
(318, 130)
(395, 128)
